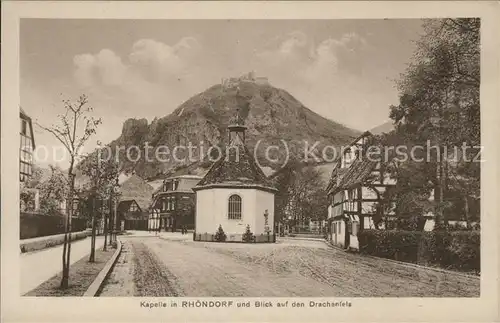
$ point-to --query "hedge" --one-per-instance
(459, 250)
(34, 225)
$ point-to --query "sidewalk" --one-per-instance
(40, 266)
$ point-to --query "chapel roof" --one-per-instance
(235, 167)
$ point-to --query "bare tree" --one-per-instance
(75, 127)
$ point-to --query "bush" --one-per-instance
(220, 236)
(397, 245)
(248, 235)
(452, 250)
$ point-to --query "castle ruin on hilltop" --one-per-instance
(228, 83)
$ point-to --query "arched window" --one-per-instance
(234, 210)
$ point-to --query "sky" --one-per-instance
(344, 70)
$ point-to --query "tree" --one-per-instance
(220, 235)
(439, 104)
(74, 128)
(300, 193)
(53, 191)
(102, 174)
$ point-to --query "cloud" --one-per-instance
(105, 67)
(159, 61)
(148, 58)
(295, 40)
(84, 64)
(298, 56)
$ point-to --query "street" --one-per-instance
(171, 264)
(39, 266)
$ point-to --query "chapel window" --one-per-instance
(234, 207)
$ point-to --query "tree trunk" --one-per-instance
(466, 211)
(92, 238)
(64, 280)
(105, 224)
(67, 234)
(444, 183)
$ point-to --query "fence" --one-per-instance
(211, 237)
(34, 225)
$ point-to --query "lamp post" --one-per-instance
(116, 190)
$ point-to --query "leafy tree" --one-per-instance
(74, 128)
(300, 194)
(53, 191)
(439, 105)
(103, 173)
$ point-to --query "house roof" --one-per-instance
(360, 169)
(124, 205)
(136, 188)
(354, 175)
(23, 115)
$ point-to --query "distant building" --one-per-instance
(29, 197)
(27, 145)
(173, 205)
(234, 194)
(128, 212)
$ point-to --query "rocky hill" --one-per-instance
(271, 115)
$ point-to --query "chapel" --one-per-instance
(235, 194)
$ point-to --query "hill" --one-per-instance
(272, 115)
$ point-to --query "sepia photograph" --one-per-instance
(249, 163)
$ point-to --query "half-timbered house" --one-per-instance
(356, 192)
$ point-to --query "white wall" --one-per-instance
(338, 233)
(212, 210)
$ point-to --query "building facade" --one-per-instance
(174, 205)
(235, 195)
(26, 147)
(356, 194)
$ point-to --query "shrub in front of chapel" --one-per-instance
(248, 235)
(220, 235)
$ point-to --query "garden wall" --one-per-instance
(459, 250)
(29, 245)
(211, 237)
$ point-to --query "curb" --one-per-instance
(407, 264)
(96, 285)
(300, 238)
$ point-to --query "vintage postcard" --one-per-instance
(250, 161)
